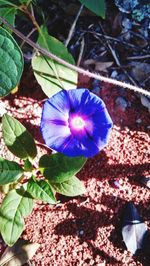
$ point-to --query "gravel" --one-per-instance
(86, 230)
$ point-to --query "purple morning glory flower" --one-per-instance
(76, 123)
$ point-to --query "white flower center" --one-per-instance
(78, 123)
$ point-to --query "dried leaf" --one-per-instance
(19, 254)
(89, 62)
(134, 231)
(102, 66)
(99, 66)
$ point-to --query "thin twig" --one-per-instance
(31, 17)
(113, 39)
(138, 57)
(28, 36)
(73, 26)
(145, 80)
(73, 67)
(41, 144)
(81, 52)
(113, 52)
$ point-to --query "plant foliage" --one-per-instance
(35, 178)
(96, 6)
(11, 63)
(51, 75)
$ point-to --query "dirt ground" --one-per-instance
(86, 230)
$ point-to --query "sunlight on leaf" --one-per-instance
(41, 190)
(71, 188)
(17, 139)
(58, 167)
(15, 206)
(51, 75)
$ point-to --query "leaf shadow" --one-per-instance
(112, 171)
(83, 218)
(96, 251)
(22, 145)
(85, 225)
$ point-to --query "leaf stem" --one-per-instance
(73, 67)
(25, 10)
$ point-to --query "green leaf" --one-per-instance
(28, 167)
(13, 3)
(9, 14)
(15, 206)
(8, 3)
(58, 167)
(71, 188)
(24, 1)
(96, 6)
(9, 171)
(51, 75)
(41, 190)
(11, 63)
(19, 254)
(17, 139)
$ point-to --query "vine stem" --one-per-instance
(73, 67)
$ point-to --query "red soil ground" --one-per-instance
(86, 230)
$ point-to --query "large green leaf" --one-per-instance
(9, 14)
(11, 63)
(41, 190)
(51, 75)
(18, 140)
(96, 6)
(71, 188)
(9, 171)
(58, 167)
(15, 206)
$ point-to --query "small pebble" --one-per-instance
(117, 184)
(139, 121)
(114, 74)
(81, 232)
(96, 90)
(127, 24)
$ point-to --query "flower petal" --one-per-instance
(84, 102)
(76, 123)
(57, 107)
